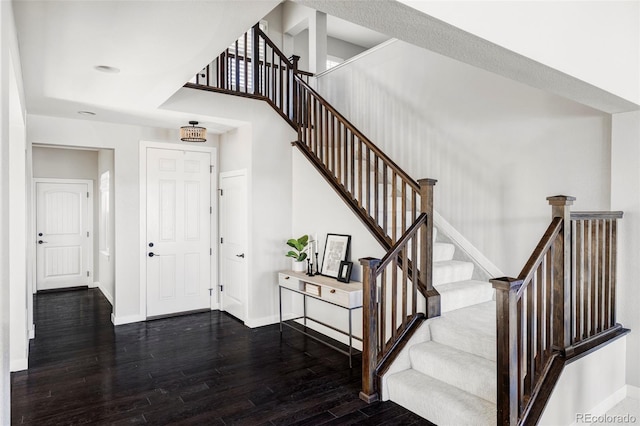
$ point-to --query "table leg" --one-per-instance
(350, 338)
(280, 302)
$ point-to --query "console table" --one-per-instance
(327, 290)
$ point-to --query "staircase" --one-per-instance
(437, 338)
(447, 372)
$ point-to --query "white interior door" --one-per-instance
(233, 243)
(63, 244)
(178, 231)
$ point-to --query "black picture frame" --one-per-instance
(336, 250)
(344, 273)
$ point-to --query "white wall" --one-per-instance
(498, 148)
(107, 260)
(262, 145)
(590, 385)
(625, 196)
(595, 41)
(342, 49)
(124, 140)
(60, 163)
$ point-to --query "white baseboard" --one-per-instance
(215, 306)
(606, 405)
(32, 332)
(106, 294)
(458, 239)
(633, 392)
(128, 319)
(261, 322)
(95, 284)
(18, 364)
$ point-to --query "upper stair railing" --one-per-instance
(396, 209)
(561, 305)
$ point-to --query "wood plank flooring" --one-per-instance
(200, 369)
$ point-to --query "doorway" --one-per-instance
(178, 218)
(64, 232)
(233, 243)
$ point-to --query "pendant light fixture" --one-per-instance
(193, 133)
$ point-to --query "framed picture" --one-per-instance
(344, 275)
(336, 250)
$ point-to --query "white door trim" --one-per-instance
(34, 224)
(240, 172)
(143, 216)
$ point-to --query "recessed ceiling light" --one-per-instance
(107, 68)
(86, 113)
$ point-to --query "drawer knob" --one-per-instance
(333, 290)
(286, 278)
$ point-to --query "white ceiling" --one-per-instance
(157, 45)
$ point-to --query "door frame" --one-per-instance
(34, 224)
(213, 298)
(239, 172)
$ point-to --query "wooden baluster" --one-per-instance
(414, 274)
(338, 142)
(426, 252)
(353, 164)
(614, 257)
(369, 392)
(368, 179)
(255, 57)
(394, 201)
(539, 317)
(405, 281)
(560, 207)
(382, 309)
(606, 323)
(506, 349)
(595, 275)
(376, 182)
(246, 64)
(529, 381)
(294, 82)
(394, 297)
(403, 212)
(385, 199)
(579, 277)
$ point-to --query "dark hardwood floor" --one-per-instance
(201, 369)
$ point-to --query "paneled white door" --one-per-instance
(178, 231)
(63, 243)
(233, 243)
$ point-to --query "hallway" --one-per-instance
(198, 369)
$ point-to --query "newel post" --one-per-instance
(507, 349)
(369, 392)
(426, 253)
(294, 89)
(560, 207)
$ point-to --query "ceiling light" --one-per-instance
(107, 69)
(193, 133)
(86, 113)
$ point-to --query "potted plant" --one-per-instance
(297, 252)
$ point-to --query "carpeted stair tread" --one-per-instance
(439, 402)
(459, 294)
(466, 371)
(451, 271)
(471, 329)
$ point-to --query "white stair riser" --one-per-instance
(451, 271)
(465, 293)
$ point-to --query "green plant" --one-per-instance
(298, 253)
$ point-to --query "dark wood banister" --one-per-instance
(540, 303)
(404, 176)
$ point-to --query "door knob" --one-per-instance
(240, 255)
(151, 254)
(40, 234)
(41, 242)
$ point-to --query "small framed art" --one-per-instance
(344, 274)
(336, 250)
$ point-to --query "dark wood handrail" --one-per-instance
(562, 305)
(404, 176)
(539, 253)
(399, 245)
(596, 215)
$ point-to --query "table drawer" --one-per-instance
(335, 296)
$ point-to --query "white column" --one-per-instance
(318, 43)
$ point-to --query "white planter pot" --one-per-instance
(299, 266)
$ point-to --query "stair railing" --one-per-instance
(396, 209)
(562, 304)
